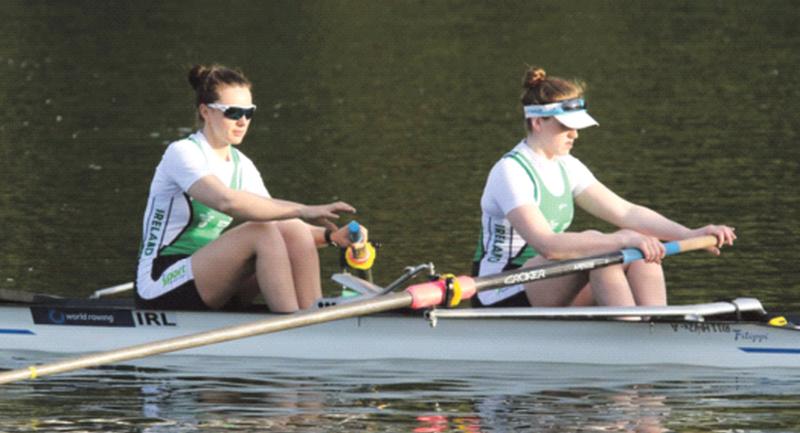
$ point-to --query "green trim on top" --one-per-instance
(528, 167)
(206, 224)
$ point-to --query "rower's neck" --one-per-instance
(220, 147)
(223, 152)
(535, 147)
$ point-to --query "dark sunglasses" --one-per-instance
(233, 112)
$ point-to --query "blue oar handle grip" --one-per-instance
(674, 247)
(354, 231)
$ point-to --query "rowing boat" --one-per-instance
(382, 324)
(738, 333)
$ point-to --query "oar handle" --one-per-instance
(433, 293)
(359, 255)
(673, 247)
(697, 243)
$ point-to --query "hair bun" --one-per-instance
(198, 75)
(534, 77)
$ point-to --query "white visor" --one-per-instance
(576, 119)
(570, 112)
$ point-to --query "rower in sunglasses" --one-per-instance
(528, 205)
(188, 260)
(234, 112)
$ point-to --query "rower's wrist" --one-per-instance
(301, 212)
(624, 239)
(328, 240)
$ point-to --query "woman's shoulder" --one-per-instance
(571, 162)
(244, 159)
(181, 153)
(579, 174)
(510, 154)
(182, 145)
(507, 168)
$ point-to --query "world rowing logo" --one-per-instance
(56, 317)
(82, 316)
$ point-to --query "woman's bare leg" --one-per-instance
(647, 283)
(222, 266)
(639, 283)
(585, 298)
(553, 292)
(304, 258)
(610, 286)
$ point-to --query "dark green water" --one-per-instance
(401, 108)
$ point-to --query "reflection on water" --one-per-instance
(188, 394)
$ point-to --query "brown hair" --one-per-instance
(206, 80)
(540, 89)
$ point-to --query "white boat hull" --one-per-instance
(710, 343)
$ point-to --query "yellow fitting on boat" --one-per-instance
(361, 258)
(34, 372)
(779, 321)
(453, 286)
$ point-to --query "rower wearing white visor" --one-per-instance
(528, 205)
(570, 113)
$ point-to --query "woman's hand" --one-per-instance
(652, 249)
(725, 236)
(342, 236)
(321, 215)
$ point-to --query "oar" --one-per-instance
(11, 295)
(265, 326)
(32, 298)
(418, 296)
(113, 290)
(560, 268)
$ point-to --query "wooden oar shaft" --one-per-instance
(274, 324)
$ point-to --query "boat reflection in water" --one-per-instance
(177, 393)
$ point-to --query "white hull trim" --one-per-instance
(713, 343)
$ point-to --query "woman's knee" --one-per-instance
(646, 272)
(297, 234)
(259, 235)
(293, 227)
(607, 271)
(260, 229)
(640, 267)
